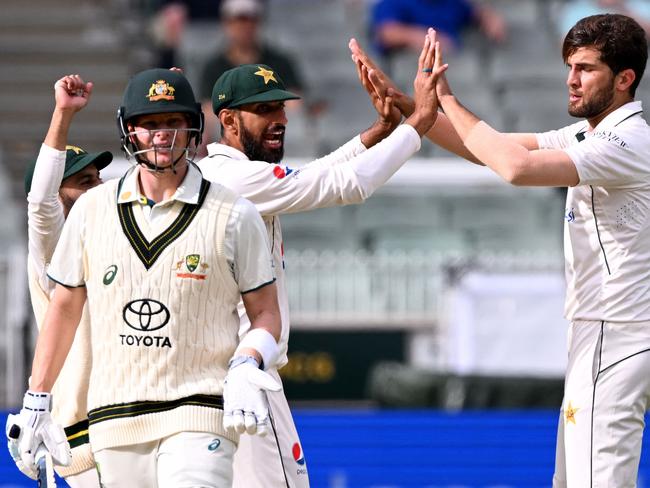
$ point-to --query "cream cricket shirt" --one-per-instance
(348, 175)
(607, 217)
(163, 284)
(45, 219)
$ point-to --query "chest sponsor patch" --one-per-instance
(145, 315)
(279, 172)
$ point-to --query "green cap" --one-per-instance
(76, 159)
(248, 83)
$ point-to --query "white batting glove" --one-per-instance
(12, 445)
(32, 427)
(244, 397)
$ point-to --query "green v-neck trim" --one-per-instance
(147, 251)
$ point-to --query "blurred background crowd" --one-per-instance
(445, 289)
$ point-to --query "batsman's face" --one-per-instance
(591, 85)
(261, 130)
(163, 138)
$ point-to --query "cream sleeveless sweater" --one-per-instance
(163, 318)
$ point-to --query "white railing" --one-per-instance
(359, 289)
(13, 341)
(395, 289)
(493, 312)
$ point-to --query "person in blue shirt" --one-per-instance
(402, 24)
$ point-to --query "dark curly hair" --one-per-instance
(620, 39)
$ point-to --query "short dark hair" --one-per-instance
(620, 39)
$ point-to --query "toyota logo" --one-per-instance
(145, 314)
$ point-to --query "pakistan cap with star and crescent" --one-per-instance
(248, 83)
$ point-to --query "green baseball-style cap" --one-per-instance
(76, 159)
(248, 83)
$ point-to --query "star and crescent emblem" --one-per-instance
(570, 414)
(267, 74)
(76, 149)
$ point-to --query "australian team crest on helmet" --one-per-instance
(161, 90)
(194, 268)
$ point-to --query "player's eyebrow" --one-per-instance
(582, 64)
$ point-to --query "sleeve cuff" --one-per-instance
(58, 282)
(257, 287)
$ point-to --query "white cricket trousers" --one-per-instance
(278, 457)
(85, 479)
(606, 395)
(184, 460)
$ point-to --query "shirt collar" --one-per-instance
(187, 192)
(619, 115)
(216, 149)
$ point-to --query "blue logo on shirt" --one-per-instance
(569, 215)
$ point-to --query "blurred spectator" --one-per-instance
(575, 10)
(167, 29)
(402, 24)
(241, 21)
(170, 20)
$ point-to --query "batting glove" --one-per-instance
(244, 397)
(32, 427)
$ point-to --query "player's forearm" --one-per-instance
(56, 337)
(270, 321)
(461, 119)
(376, 133)
(503, 155)
(261, 341)
(263, 310)
(374, 167)
(342, 154)
(444, 135)
(57, 134)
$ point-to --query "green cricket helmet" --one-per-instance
(157, 91)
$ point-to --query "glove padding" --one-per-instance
(12, 445)
(32, 427)
(244, 398)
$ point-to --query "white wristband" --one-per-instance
(37, 401)
(263, 342)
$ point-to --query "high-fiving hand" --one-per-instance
(424, 85)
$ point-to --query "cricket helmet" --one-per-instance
(157, 91)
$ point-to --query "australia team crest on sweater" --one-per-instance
(191, 267)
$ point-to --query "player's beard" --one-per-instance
(596, 105)
(255, 150)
